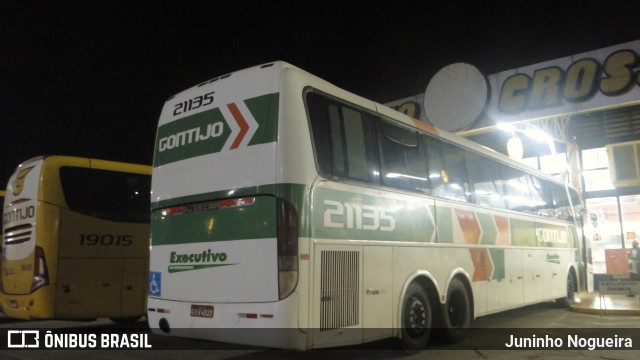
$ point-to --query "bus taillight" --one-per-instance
(40, 271)
(287, 248)
(209, 206)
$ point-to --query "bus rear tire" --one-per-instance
(416, 319)
(572, 288)
(456, 313)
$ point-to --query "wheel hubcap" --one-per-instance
(417, 316)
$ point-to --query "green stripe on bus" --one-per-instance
(207, 132)
(182, 268)
(228, 224)
(522, 232)
(254, 221)
(444, 217)
(346, 215)
(489, 231)
(356, 216)
(497, 257)
(265, 110)
(296, 194)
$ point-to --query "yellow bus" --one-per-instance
(1, 229)
(76, 239)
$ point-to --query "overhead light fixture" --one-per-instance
(515, 149)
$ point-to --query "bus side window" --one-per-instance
(486, 180)
(343, 138)
(361, 156)
(403, 161)
(518, 190)
(446, 170)
(561, 202)
(337, 141)
(542, 196)
(322, 122)
(434, 165)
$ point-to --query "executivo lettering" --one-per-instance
(197, 261)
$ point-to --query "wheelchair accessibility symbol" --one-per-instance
(155, 283)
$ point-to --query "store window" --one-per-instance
(603, 229)
(531, 161)
(630, 206)
(554, 164)
(613, 223)
(595, 166)
(551, 164)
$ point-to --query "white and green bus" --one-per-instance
(289, 213)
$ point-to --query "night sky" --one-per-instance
(89, 78)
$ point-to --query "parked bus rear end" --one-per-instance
(76, 239)
(227, 216)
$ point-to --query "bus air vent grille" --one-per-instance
(339, 289)
(18, 234)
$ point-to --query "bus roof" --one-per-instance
(97, 163)
(387, 112)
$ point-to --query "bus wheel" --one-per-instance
(416, 318)
(126, 320)
(456, 313)
(572, 287)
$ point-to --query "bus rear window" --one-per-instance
(109, 195)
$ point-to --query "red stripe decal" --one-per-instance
(244, 127)
(469, 226)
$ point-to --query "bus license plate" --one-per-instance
(202, 311)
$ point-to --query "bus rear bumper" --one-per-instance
(271, 325)
(37, 305)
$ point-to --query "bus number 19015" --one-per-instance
(106, 240)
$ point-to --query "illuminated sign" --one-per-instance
(579, 83)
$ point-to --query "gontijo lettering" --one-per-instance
(552, 236)
(17, 214)
(190, 136)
